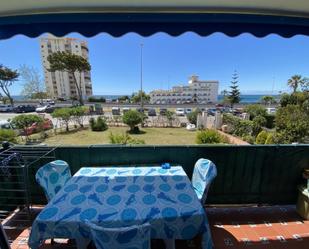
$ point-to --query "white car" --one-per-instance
(180, 111)
(6, 108)
(41, 108)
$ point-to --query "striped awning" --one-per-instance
(146, 17)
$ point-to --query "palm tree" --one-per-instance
(295, 81)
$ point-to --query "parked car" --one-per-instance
(4, 124)
(188, 110)
(152, 113)
(115, 110)
(35, 127)
(125, 109)
(163, 111)
(211, 112)
(42, 108)
(6, 108)
(141, 110)
(180, 111)
(24, 108)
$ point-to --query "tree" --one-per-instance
(73, 64)
(170, 117)
(132, 118)
(234, 94)
(63, 115)
(33, 87)
(295, 81)
(267, 100)
(79, 115)
(136, 97)
(7, 78)
(225, 99)
(192, 116)
(24, 122)
(255, 110)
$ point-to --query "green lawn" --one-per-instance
(151, 136)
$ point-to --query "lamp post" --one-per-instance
(142, 76)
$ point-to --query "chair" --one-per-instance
(203, 174)
(137, 236)
(52, 177)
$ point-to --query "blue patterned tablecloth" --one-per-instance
(123, 196)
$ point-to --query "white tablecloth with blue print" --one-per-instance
(123, 196)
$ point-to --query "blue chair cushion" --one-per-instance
(133, 237)
(52, 177)
(203, 174)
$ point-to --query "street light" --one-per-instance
(142, 75)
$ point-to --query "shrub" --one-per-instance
(270, 121)
(209, 137)
(79, 114)
(255, 110)
(261, 137)
(7, 135)
(192, 117)
(257, 124)
(64, 115)
(98, 125)
(24, 121)
(243, 128)
(132, 118)
(124, 139)
(249, 139)
(94, 99)
(270, 139)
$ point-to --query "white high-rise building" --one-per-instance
(61, 84)
(197, 91)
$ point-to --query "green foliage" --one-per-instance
(270, 121)
(268, 100)
(209, 136)
(123, 99)
(132, 118)
(64, 115)
(292, 124)
(257, 123)
(249, 139)
(79, 115)
(170, 116)
(94, 99)
(24, 121)
(98, 124)
(192, 117)
(7, 135)
(124, 139)
(255, 110)
(136, 97)
(296, 81)
(244, 128)
(7, 78)
(261, 137)
(71, 63)
(234, 94)
(270, 139)
(297, 98)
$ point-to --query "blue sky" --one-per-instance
(263, 64)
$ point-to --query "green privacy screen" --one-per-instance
(246, 174)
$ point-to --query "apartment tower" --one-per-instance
(61, 84)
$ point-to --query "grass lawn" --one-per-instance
(151, 136)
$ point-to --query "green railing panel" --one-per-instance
(246, 174)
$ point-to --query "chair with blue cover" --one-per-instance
(52, 177)
(203, 174)
(135, 237)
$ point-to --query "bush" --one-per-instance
(257, 124)
(124, 139)
(255, 110)
(132, 118)
(7, 135)
(192, 117)
(238, 126)
(98, 124)
(249, 139)
(270, 139)
(261, 137)
(78, 114)
(94, 99)
(64, 115)
(270, 121)
(24, 121)
(209, 137)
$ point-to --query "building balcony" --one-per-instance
(251, 203)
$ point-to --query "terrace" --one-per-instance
(251, 203)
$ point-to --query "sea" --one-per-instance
(244, 99)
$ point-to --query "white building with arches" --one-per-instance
(197, 91)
